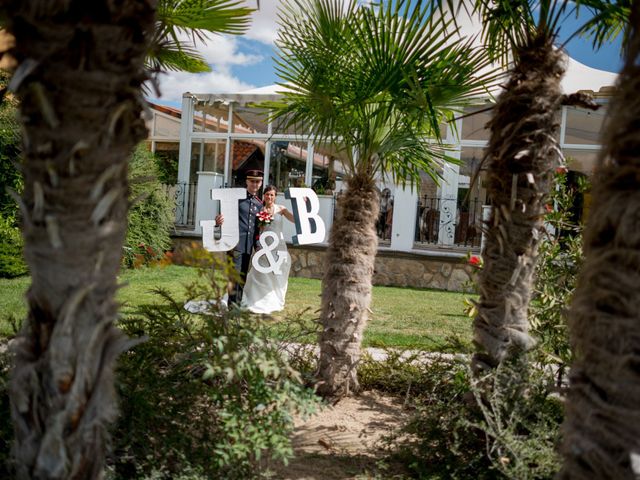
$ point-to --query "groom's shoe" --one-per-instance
(232, 300)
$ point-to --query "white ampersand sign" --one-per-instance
(266, 251)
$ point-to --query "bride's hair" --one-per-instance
(268, 188)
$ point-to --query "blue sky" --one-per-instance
(607, 58)
(244, 62)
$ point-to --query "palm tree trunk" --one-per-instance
(522, 155)
(601, 433)
(81, 114)
(346, 286)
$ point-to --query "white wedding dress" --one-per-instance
(265, 292)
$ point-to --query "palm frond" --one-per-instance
(196, 18)
(375, 81)
(508, 25)
(610, 19)
(199, 17)
(180, 58)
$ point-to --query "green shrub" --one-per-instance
(559, 261)
(441, 440)
(11, 259)
(6, 429)
(521, 417)
(151, 215)
(10, 176)
(12, 263)
(458, 430)
(6, 426)
(167, 165)
(206, 392)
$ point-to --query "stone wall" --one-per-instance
(398, 269)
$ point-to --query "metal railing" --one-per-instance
(448, 222)
(183, 196)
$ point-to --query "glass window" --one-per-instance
(471, 161)
(166, 127)
(474, 124)
(583, 126)
(168, 148)
(471, 196)
(580, 160)
(288, 164)
(327, 170)
(324, 175)
(245, 155)
(250, 120)
(279, 127)
(208, 155)
(210, 118)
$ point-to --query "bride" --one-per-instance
(265, 292)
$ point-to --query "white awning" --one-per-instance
(269, 93)
(582, 77)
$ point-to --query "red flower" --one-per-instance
(561, 170)
(475, 260)
(264, 218)
(548, 208)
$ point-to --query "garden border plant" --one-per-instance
(206, 391)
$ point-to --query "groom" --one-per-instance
(248, 208)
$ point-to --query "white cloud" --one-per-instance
(174, 84)
(222, 53)
(264, 22)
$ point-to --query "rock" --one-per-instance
(457, 279)
(445, 269)
(425, 281)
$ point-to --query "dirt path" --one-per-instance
(342, 441)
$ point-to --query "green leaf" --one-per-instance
(198, 19)
(377, 83)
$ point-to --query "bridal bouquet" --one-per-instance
(264, 219)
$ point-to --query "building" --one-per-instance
(216, 137)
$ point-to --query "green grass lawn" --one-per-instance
(402, 317)
(138, 290)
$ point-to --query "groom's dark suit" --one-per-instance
(248, 208)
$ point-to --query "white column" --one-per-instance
(448, 202)
(184, 159)
(448, 191)
(267, 153)
(563, 125)
(154, 123)
(186, 129)
(227, 152)
(201, 157)
(308, 174)
(486, 215)
(403, 227)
